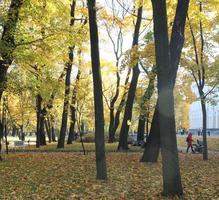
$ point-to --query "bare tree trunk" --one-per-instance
(204, 127)
(71, 135)
(61, 141)
(176, 45)
(98, 96)
(123, 143)
(170, 163)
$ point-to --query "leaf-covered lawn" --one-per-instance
(72, 176)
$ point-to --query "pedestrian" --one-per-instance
(209, 133)
(189, 141)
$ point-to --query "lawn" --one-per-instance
(68, 176)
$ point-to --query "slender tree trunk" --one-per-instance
(42, 128)
(141, 129)
(176, 45)
(123, 143)
(61, 141)
(98, 96)
(204, 127)
(120, 107)
(112, 108)
(38, 111)
(170, 163)
(53, 129)
(46, 123)
(71, 135)
(144, 111)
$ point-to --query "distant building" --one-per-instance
(195, 117)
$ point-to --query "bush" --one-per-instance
(89, 137)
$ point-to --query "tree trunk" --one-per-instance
(48, 131)
(42, 129)
(53, 129)
(8, 41)
(204, 127)
(144, 110)
(71, 135)
(120, 107)
(123, 143)
(170, 163)
(98, 96)
(112, 107)
(141, 129)
(61, 141)
(38, 111)
(176, 45)
(152, 146)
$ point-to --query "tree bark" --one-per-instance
(123, 143)
(71, 135)
(144, 108)
(204, 126)
(48, 131)
(170, 163)
(98, 96)
(8, 41)
(176, 45)
(61, 141)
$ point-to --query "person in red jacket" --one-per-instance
(189, 141)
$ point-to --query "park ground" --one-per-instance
(71, 175)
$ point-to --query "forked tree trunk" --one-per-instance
(123, 137)
(98, 96)
(170, 164)
(176, 45)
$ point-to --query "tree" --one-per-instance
(7, 42)
(98, 98)
(170, 164)
(152, 146)
(123, 144)
(61, 140)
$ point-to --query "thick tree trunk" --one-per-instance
(98, 96)
(8, 41)
(152, 146)
(123, 143)
(170, 163)
(176, 45)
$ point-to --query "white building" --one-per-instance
(195, 115)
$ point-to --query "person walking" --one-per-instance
(189, 141)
